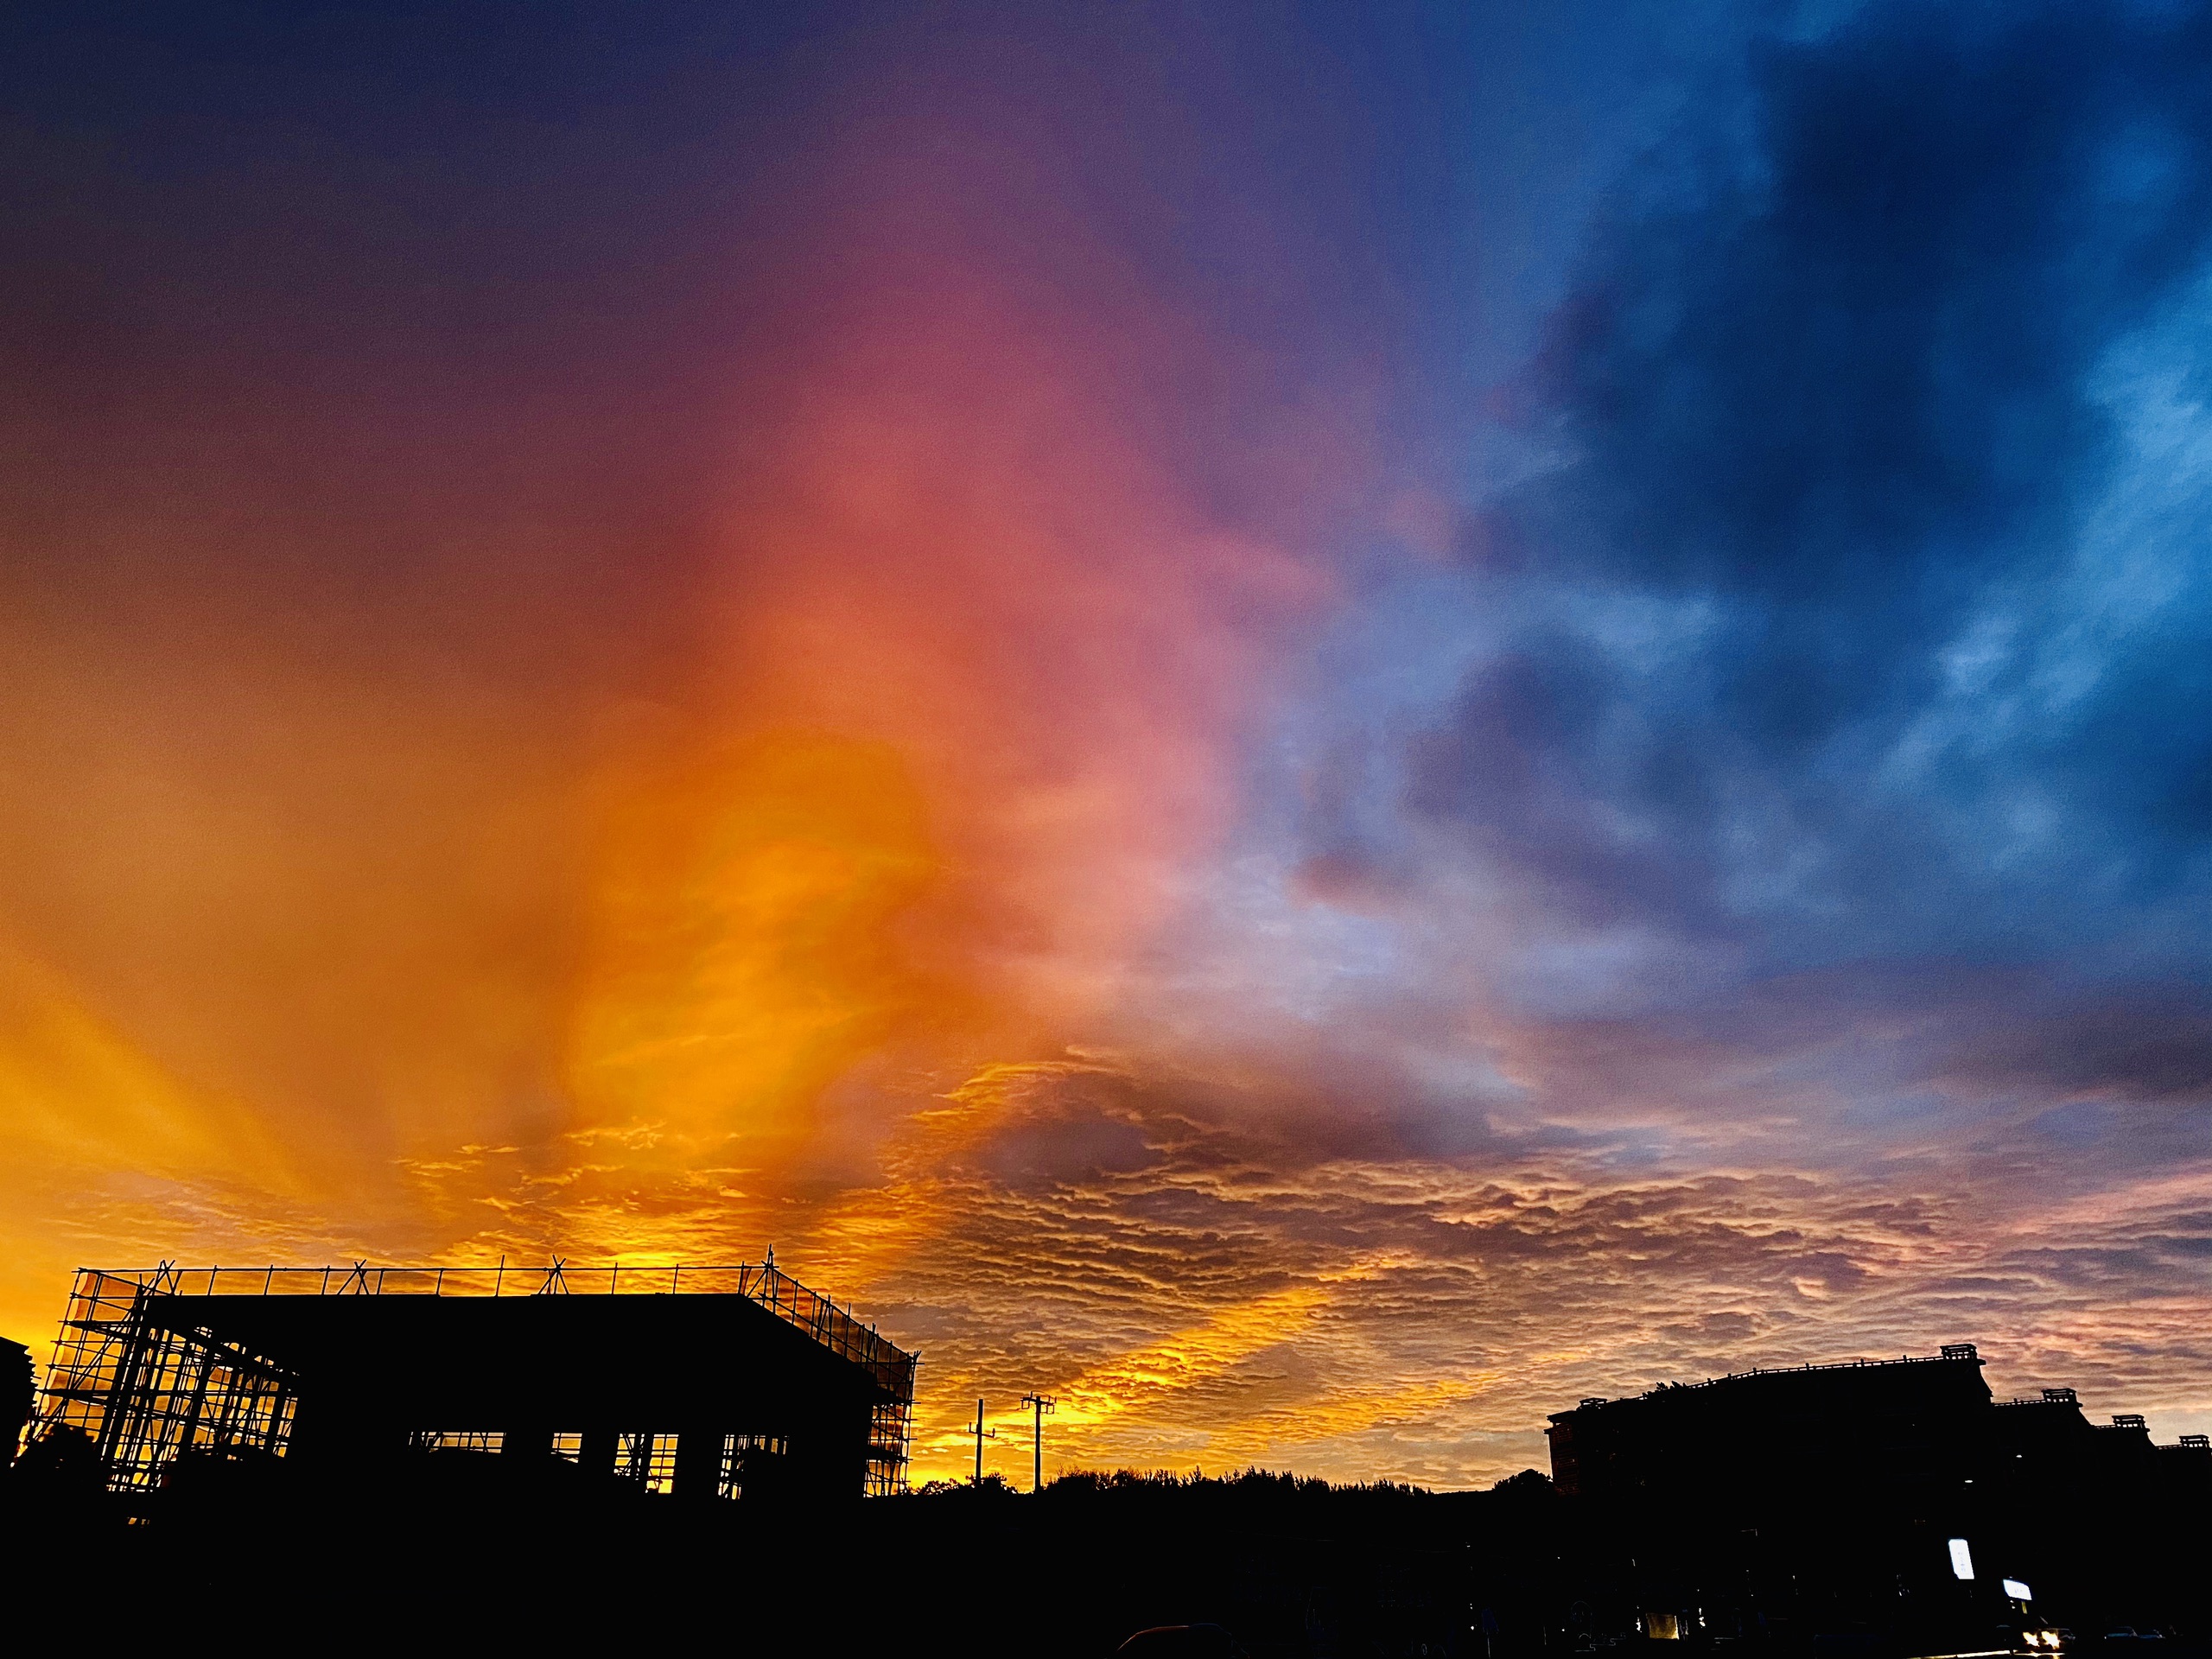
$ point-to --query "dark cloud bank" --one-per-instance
(1871, 613)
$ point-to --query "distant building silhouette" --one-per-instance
(1877, 1494)
(696, 1382)
(1767, 1438)
(16, 1397)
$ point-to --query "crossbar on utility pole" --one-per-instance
(981, 1434)
(1044, 1403)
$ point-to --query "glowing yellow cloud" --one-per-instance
(746, 952)
(1137, 1381)
(76, 1091)
(81, 1109)
(1343, 1412)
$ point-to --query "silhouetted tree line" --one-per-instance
(1293, 1565)
(508, 1550)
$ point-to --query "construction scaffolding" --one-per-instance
(144, 1394)
(152, 1364)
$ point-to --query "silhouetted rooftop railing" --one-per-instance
(836, 1328)
(2048, 1397)
(1952, 1352)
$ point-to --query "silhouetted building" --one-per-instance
(1758, 1438)
(1892, 1495)
(696, 1382)
(16, 1395)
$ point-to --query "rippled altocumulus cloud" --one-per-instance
(1010, 718)
(1744, 908)
(1803, 884)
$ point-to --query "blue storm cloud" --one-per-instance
(1865, 601)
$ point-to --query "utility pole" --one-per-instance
(1044, 1403)
(981, 1434)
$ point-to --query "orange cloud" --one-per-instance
(79, 1092)
(1140, 1381)
(745, 952)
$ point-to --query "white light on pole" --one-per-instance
(2017, 1590)
(1962, 1559)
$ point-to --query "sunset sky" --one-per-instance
(1319, 725)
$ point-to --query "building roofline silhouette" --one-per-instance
(696, 1380)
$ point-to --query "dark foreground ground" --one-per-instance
(446, 1549)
